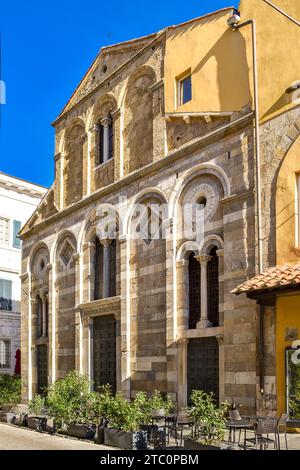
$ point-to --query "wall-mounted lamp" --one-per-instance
(234, 19)
(294, 92)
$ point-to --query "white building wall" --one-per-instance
(18, 200)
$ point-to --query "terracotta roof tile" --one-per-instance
(276, 277)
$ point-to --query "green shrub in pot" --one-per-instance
(160, 404)
(10, 392)
(70, 401)
(210, 419)
(37, 405)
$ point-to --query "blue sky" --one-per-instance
(46, 49)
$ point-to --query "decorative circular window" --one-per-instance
(40, 264)
(204, 194)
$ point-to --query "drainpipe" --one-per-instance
(261, 348)
(236, 26)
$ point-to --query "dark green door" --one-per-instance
(104, 351)
(203, 366)
(42, 368)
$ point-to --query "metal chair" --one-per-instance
(263, 428)
(281, 429)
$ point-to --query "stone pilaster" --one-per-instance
(125, 315)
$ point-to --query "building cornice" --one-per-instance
(147, 170)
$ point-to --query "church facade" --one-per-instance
(162, 124)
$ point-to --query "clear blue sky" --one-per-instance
(46, 49)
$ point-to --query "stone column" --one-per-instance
(204, 322)
(90, 348)
(106, 123)
(106, 267)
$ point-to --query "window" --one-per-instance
(111, 141)
(5, 354)
(184, 90)
(213, 287)
(16, 229)
(4, 232)
(5, 295)
(194, 291)
(106, 138)
(297, 210)
(101, 145)
(105, 270)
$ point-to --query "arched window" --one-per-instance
(105, 269)
(194, 291)
(213, 287)
(39, 317)
(106, 137)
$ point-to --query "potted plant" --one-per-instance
(101, 404)
(124, 424)
(37, 409)
(210, 421)
(10, 397)
(160, 405)
(72, 405)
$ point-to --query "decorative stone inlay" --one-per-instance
(41, 263)
(207, 191)
(66, 252)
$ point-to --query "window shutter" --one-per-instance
(16, 229)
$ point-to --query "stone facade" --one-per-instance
(169, 161)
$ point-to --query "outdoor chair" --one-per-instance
(177, 428)
(263, 428)
(281, 429)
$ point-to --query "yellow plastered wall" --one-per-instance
(286, 250)
(221, 60)
(287, 316)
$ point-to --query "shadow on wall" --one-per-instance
(230, 55)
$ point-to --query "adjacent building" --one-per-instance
(18, 200)
(192, 115)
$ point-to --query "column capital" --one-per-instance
(106, 121)
(24, 276)
(77, 257)
(84, 137)
(123, 238)
(220, 339)
(94, 128)
(49, 266)
(182, 263)
(220, 253)
(106, 242)
(203, 259)
(117, 113)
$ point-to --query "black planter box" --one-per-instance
(38, 423)
(125, 440)
(189, 444)
(7, 417)
(81, 431)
